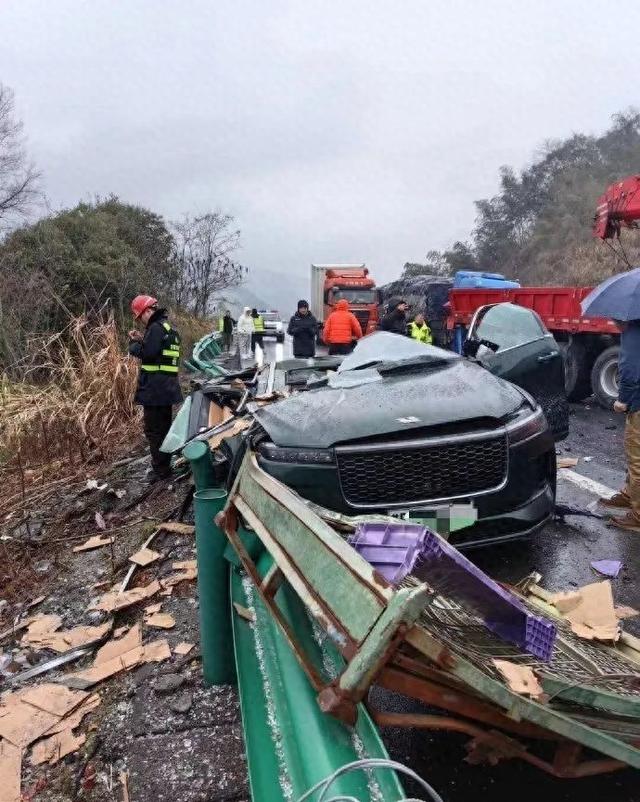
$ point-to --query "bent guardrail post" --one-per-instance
(198, 454)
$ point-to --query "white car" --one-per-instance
(273, 325)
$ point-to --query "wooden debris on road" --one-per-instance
(566, 462)
(183, 648)
(74, 719)
(53, 698)
(239, 426)
(10, 772)
(112, 601)
(160, 620)
(23, 724)
(124, 782)
(95, 542)
(145, 556)
(622, 612)
(51, 750)
(177, 528)
(153, 652)
(114, 648)
(61, 640)
(153, 608)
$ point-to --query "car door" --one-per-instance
(512, 342)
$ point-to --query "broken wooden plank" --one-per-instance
(177, 528)
(24, 724)
(160, 620)
(520, 679)
(112, 601)
(53, 698)
(95, 542)
(183, 648)
(51, 750)
(114, 648)
(152, 652)
(74, 719)
(10, 772)
(64, 640)
(145, 556)
(153, 608)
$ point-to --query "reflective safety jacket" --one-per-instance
(421, 333)
(258, 324)
(159, 355)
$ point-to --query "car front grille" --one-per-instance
(425, 470)
(362, 317)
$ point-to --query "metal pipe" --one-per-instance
(216, 637)
(198, 454)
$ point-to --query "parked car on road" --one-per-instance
(273, 325)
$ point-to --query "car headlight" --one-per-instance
(526, 426)
(307, 456)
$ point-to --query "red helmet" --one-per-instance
(141, 303)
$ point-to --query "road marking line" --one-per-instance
(590, 485)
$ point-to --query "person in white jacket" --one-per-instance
(245, 330)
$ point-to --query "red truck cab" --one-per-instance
(352, 283)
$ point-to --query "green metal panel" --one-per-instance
(328, 564)
(290, 744)
(198, 454)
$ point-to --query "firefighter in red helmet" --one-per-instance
(158, 350)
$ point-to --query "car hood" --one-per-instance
(324, 417)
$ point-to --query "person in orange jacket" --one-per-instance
(341, 329)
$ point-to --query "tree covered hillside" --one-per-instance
(537, 228)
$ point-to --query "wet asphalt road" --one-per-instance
(562, 553)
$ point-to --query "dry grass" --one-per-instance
(81, 406)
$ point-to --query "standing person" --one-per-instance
(341, 329)
(303, 327)
(158, 350)
(258, 330)
(245, 332)
(627, 501)
(419, 330)
(395, 320)
(225, 326)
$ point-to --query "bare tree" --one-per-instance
(18, 177)
(202, 259)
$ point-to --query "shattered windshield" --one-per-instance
(382, 347)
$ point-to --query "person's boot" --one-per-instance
(630, 522)
(618, 504)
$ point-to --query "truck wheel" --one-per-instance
(577, 381)
(604, 377)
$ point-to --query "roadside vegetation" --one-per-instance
(66, 281)
(537, 228)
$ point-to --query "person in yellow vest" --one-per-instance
(258, 330)
(158, 350)
(419, 330)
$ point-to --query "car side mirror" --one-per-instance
(470, 348)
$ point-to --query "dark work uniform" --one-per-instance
(304, 330)
(395, 322)
(158, 386)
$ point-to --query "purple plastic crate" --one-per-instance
(452, 574)
(391, 548)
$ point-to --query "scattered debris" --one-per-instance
(115, 648)
(177, 528)
(160, 620)
(156, 651)
(51, 750)
(124, 782)
(145, 556)
(44, 633)
(567, 462)
(168, 683)
(153, 608)
(622, 612)
(100, 522)
(239, 425)
(244, 612)
(607, 567)
(183, 648)
(10, 771)
(520, 679)
(112, 601)
(95, 542)
(92, 484)
(54, 699)
(590, 611)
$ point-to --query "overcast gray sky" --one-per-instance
(332, 130)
